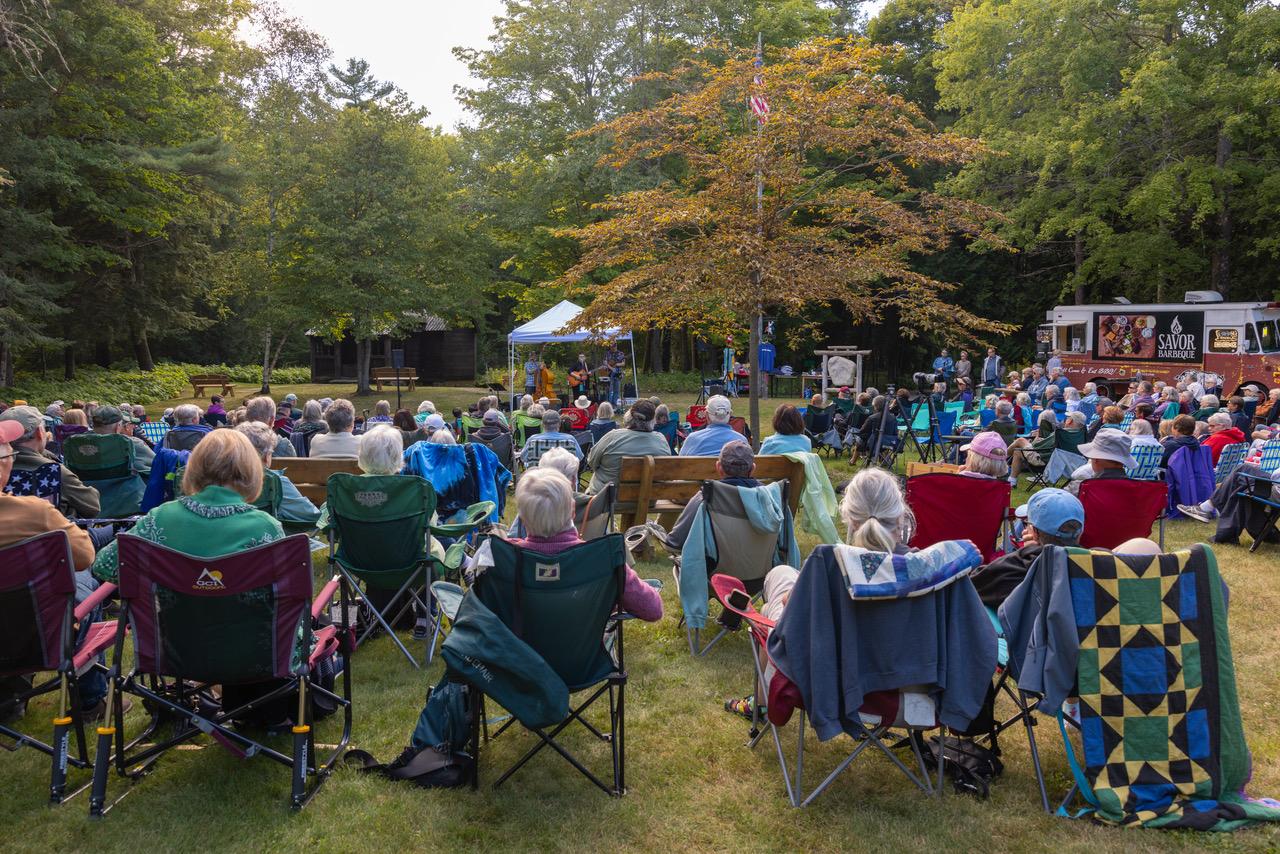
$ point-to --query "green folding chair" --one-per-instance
(378, 527)
(524, 426)
(469, 424)
(564, 607)
(106, 462)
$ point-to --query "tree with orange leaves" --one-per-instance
(839, 220)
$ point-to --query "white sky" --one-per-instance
(410, 42)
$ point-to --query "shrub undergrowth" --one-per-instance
(111, 385)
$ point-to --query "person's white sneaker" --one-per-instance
(1194, 511)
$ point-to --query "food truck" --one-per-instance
(1232, 344)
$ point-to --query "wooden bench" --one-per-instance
(311, 474)
(664, 485)
(387, 376)
(200, 382)
(914, 468)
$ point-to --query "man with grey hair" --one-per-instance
(339, 441)
(710, 439)
(108, 420)
(75, 498)
(263, 410)
(188, 429)
(550, 437)
(734, 466)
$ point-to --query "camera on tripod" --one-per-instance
(925, 382)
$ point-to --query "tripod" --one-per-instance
(933, 453)
(877, 453)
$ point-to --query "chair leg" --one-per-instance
(301, 745)
(1029, 723)
(62, 722)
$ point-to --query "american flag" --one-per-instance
(757, 102)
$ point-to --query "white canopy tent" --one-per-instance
(545, 329)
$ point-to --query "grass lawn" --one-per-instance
(692, 783)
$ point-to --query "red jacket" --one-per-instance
(1221, 439)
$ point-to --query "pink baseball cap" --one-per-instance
(10, 430)
(989, 444)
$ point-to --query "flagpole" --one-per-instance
(756, 272)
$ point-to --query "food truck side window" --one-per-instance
(1250, 339)
(1268, 337)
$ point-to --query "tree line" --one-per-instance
(183, 177)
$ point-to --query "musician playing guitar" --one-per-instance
(579, 376)
(615, 360)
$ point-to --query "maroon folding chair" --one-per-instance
(956, 507)
(38, 617)
(1116, 510)
(231, 620)
(880, 712)
(574, 419)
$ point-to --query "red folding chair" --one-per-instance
(956, 507)
(574, 419)
(1119, 510)
(231, 620)
(39, 615)
(697, 416)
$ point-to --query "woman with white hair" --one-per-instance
(424, 409)
(339, 441)
(1140, 433)
(1072, 397)
(381, 413)
(544, 501)
(311, 424)
(876, 517)
(379, 454)
(443, 436)
(603, 422)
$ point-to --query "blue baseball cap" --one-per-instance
(1056, 512)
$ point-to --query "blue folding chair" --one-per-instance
(1147, 458)
(1126, 421)
(1232, 455)
(1270, 462)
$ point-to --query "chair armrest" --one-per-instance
(95, 599)
(454, 555)
(474, 517)
(326, 595)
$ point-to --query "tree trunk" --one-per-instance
(141, 348)
(1078, 248)
(1220, 266)
(69, 362)
(364, 351)
(275, 357)
(6, 365)
(266, 362)
(655, 351)
(753, 359)
(102, 353)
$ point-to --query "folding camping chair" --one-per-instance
(573, 419)
(671, 429)
(597, 516)
(881, 711)
(241, 620)
(1142, 666)
(1126, 421)
(1269, 460)
(503, 448)
(1231, 456)
(468, 424)
(524, 426)
(40, 482)
(1261, 492)
(106, 463)
(378, 534)
(1117, 510)
(956, 507)
(697, 417)
(154, 431)
(563, 606)
(1189, 477)
(1147, 462)
(1058, 467)
(38, 617)
(740, 550)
